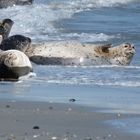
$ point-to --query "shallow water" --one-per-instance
(92, 21)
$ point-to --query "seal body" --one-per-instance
(75, 53)
(7, 3)
(13, 64)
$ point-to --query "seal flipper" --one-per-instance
(105, 48)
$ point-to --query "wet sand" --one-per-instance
(52, 121)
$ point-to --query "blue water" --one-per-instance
(116, 88)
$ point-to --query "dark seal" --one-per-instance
(18, 42)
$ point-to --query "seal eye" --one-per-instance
(126, 46)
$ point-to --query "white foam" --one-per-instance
(86, 37)
(88, 82)
(82, 37)
(25, 77)
(37, 20)
(123, 84)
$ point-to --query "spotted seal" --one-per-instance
(13, 64)
(73, 52)
(9, 3)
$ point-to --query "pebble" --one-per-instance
(118, 115)
(54, 138)
(35, 136)
(50, 107)
(36, 127)
(72, 100)
(69, 109)
(88, 138)
(109, 135)
(37, 109)
(7, 106)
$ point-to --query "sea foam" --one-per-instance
(37, 20)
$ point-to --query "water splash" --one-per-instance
(25, 77)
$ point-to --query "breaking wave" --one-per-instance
(37, 20)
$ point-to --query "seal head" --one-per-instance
(5, 27)
(122, 54)
(18, 42)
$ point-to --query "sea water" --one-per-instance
(116, 88)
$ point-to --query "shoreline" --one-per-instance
(27, 120)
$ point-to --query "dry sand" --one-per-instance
(52, 121)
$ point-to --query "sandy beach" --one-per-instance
(53, 121)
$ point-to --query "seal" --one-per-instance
(9, 3)
(70, 52)
(13, 64)
(18, 42)
(5, 27)
(76, 53)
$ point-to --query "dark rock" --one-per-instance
(7, 106)
(36, 127)
(72, 100)
(50, 107)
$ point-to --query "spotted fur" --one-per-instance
(75, 53)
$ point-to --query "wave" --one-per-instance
(93, 66)
(82, 37)
(84, 81)
(74, 82)
(81, 5)
(37, 20)
(104, 75)
(26, 77)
